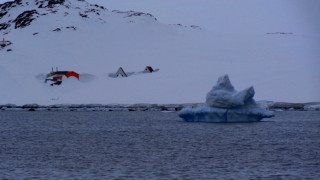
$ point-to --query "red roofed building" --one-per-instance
(148, 69)
(56, 76)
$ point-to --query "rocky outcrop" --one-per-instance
(4, 26)
(52, 3)
(30, 11)
(25, 18)
(133, 14)
(4, 9)
(2, 14)
(49, 4)
(8, 5)
(97, 107)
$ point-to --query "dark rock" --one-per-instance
(9, 50)
(4, 26)
(133, 13)
(90, 10)
(287, 106)
(6, 6)
(52, 3)
(49, 4)
(83, 15)
(57, 30)
(71, 27)
(137, 14)
(141, 14)
(35, 33)
(4, 44)
(31, 109)
(25, 19)
(2, 14)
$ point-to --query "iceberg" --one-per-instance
(225, 104)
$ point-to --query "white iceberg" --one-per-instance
(210, 114)
(223, 95)
(225, 104)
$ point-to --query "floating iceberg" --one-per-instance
(225, 104)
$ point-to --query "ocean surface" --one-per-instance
(156, 145)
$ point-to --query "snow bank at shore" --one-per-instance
(277, 106)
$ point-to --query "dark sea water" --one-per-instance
(156, 145)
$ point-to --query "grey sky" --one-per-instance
(231, 16)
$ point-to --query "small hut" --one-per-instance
(148, 69)
(56, 76)
(121, 73)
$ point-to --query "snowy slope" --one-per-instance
(94, 41)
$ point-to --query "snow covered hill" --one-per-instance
(93, 41)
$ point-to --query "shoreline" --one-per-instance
(275, 106)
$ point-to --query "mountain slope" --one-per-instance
(93, 41)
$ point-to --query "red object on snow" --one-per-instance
(64, 73)
(57, 76)
(150, 68)
(74, 74)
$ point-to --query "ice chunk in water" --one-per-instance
(225, 104)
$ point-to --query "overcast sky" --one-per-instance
(229, 16)
(243, 16)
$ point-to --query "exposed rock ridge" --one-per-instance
(134, 13)
(31, 10)
(25, 18)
